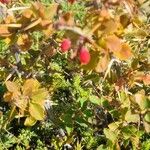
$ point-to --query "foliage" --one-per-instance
(54, 95)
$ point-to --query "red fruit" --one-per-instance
(84, 56)
(5, 1)
(71, 1)
(65, 45)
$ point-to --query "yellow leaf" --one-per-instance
(38, 9)
(110, 26)
(12, 25)
(30, 121)
(48, 31)
(36, 111)
(21, 103)
(11, 86)
(24, 42)
(8, 97)
(51, 11)
(39, 96)
(30, 86)
(10, 19)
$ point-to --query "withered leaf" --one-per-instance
(33, 24)
(102, 63)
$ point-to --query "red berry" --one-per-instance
(5, 1)
(84, 56)
(65, 45)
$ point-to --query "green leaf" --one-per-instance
(95, 100)
(81, 122)
(36, 111)
(147, 117)
(69, 130)
(146, 126)
(129, 117)
(115, 113)
(30, 121)
(128, 131)
(113, 126)
(82, 100)
(101, 147)
(142, 100)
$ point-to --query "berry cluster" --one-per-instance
(84, 55)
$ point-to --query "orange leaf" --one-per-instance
(113, 43)
(27, 13)
(119, 49)
(38, 9)
(146, 79)
(125, 52)
(110, 26)
(8, 96)
(4, 32)
(105, 14)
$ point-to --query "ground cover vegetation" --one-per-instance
(75, 74)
